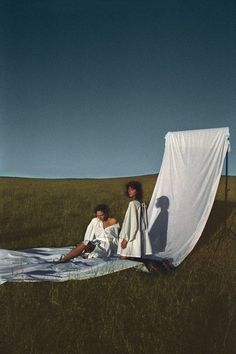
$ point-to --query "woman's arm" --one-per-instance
(89, 233)
(130, 226)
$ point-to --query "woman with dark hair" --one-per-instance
(133, 238)
(101, 237)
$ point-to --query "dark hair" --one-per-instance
(102, 207)
(137, 186)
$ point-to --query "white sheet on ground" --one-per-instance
(38, 264)
(185, 191)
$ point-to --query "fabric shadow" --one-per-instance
(158, 231)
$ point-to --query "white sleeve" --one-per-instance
(110, 242)
(112, 234)
(131, 223)
(89, 233)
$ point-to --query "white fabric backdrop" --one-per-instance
(185, 190)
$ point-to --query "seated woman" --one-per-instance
(101, 237)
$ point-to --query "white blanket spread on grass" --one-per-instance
(185, 191)
(38, 264)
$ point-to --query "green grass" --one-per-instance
(189, 310)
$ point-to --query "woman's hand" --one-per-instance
(124, 244)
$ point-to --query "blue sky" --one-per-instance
(90, 88)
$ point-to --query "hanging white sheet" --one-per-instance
(185, 190)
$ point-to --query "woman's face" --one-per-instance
(132, 193)
(101, 215)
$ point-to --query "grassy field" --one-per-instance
(189, 310)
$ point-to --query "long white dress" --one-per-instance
(106, 239)
(135, 231)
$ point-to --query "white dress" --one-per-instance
(106, 239)
(135, 231)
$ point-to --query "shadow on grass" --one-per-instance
(217, 224)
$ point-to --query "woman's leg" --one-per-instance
(75, 252)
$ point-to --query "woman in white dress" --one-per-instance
(133, 238)
(101, 237)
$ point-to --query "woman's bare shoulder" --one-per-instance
(112, 221)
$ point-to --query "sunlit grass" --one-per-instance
(189, 310)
